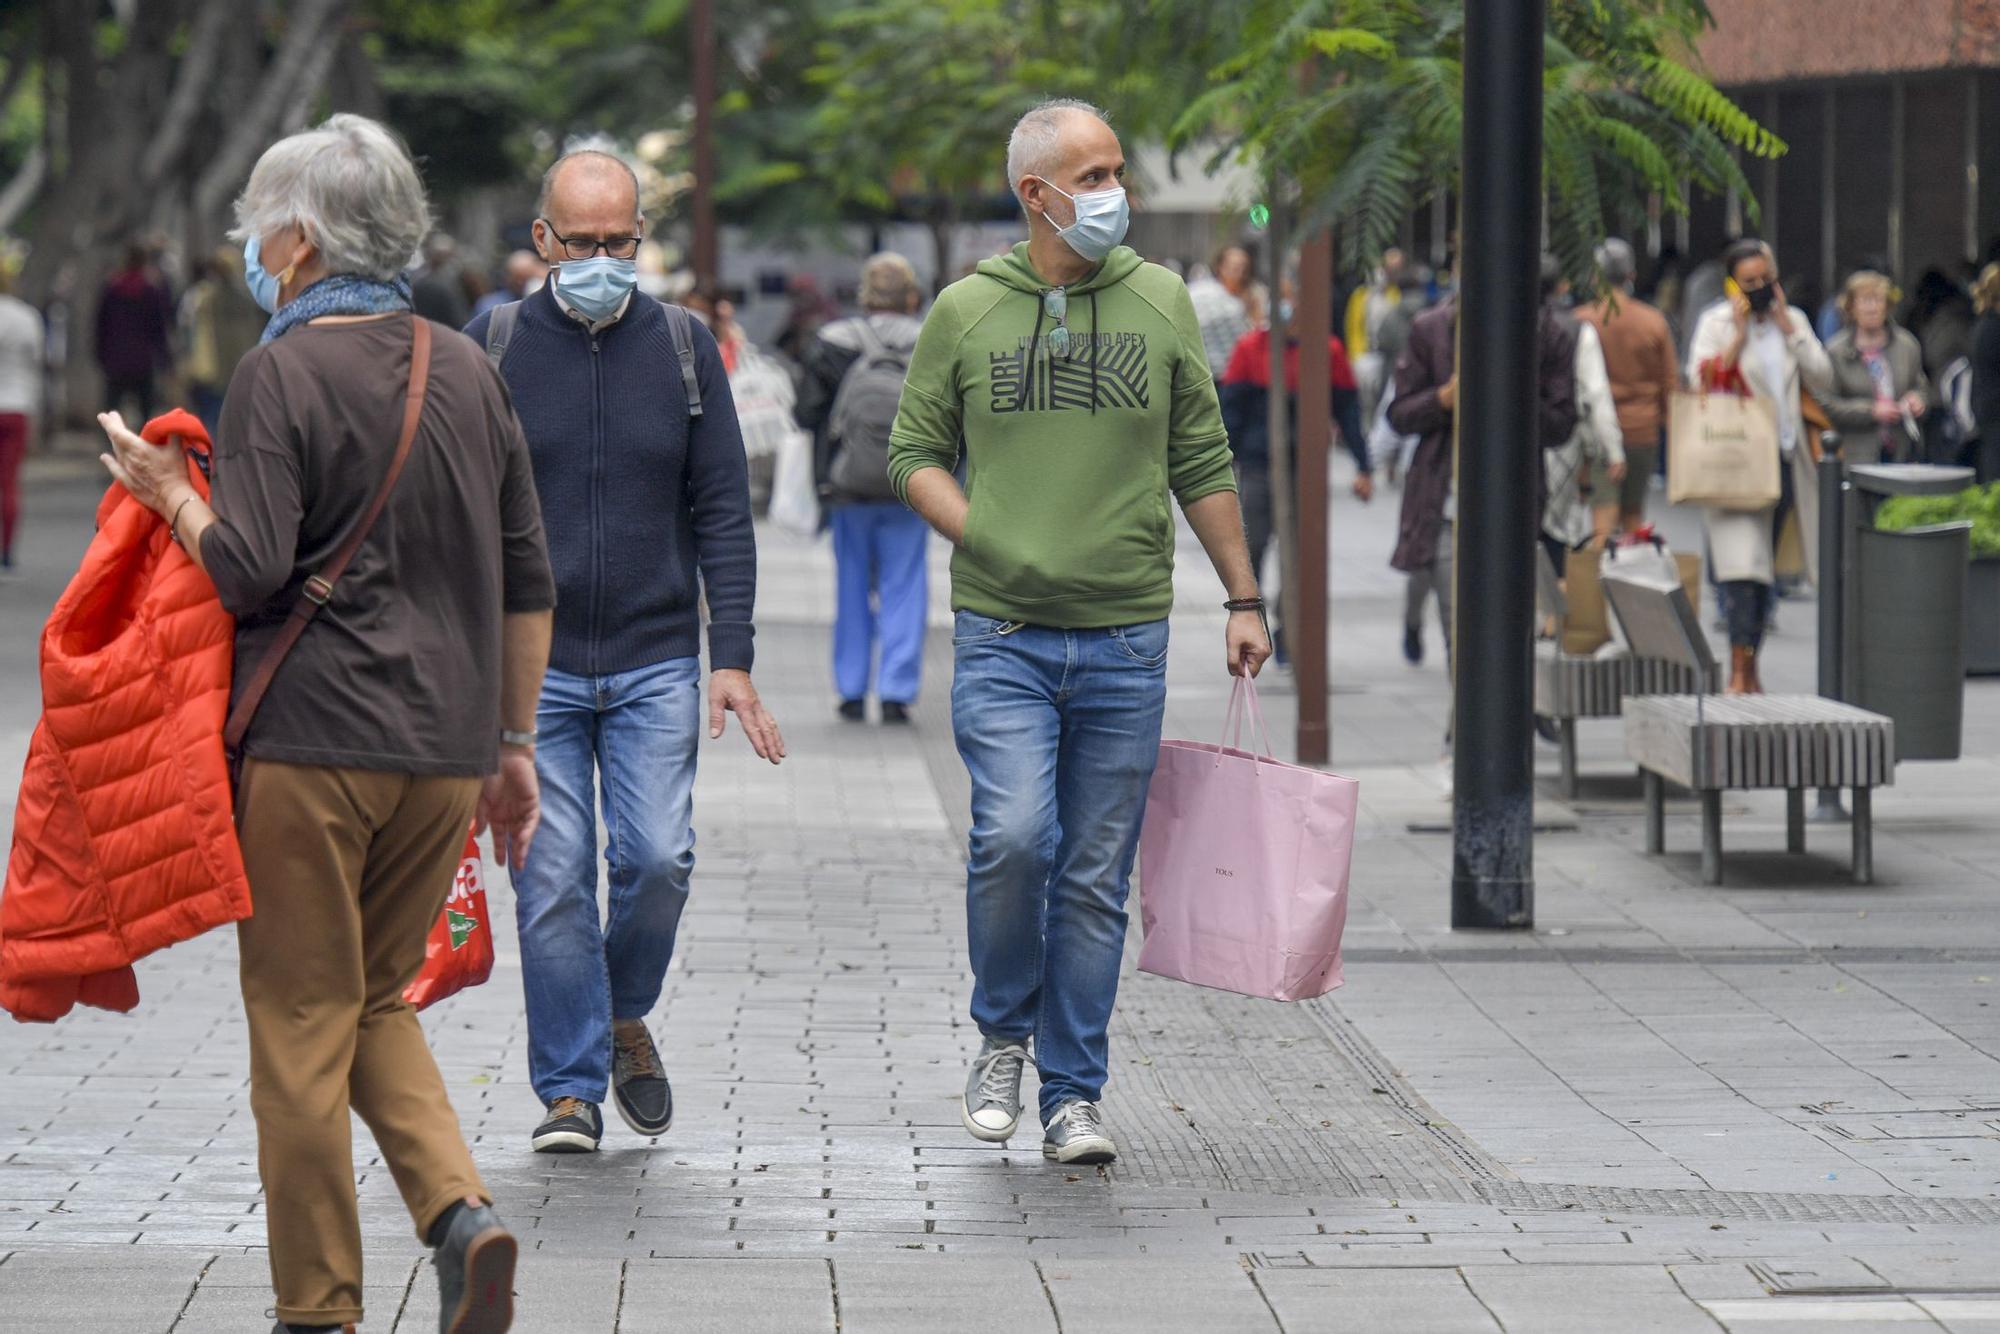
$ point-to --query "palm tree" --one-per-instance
(1355, 105)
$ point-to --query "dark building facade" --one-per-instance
(1892, 117)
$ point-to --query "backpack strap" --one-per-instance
(681, 324)
(318, 589)
(500, 328)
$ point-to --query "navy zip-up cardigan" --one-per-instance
(644, 507)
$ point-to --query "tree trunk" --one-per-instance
(296, 72)
(944, 224)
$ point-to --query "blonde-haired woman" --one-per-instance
(1879, 390)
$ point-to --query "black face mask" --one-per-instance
(1760, 298)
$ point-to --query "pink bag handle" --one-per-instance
(1246, 688)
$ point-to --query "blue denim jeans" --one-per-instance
(635, 733)
(1059, 730)
(883, 598)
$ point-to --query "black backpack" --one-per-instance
(501, 328)
(864, 410)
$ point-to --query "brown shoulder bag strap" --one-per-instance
(318, 589)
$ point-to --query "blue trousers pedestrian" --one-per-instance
(1059, 730)
(636, 734)
(883, 585)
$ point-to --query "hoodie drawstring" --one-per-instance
(1034, 346)
(1093, 354)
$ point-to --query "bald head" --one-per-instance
(589, 195)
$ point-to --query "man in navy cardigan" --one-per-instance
(647, 510)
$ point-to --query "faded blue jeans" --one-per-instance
(636, 734)
(1059, 730)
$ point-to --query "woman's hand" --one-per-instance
(156, 475)
(1781, 310)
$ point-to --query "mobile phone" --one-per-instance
(1730, 288)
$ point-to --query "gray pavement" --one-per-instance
(1772, 1105)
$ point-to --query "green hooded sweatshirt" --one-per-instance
(1069, 459)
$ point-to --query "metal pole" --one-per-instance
(701, 22)
(1278, 421)
(1308, 643)
(1493, 799)
(1832, 605)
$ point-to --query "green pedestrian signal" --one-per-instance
(1260, 216)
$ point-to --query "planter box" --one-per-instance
(1982, 616)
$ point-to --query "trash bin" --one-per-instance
(1905, 622)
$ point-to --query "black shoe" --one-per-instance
(894, 713)
(572, 1126)
(282, 1328)
(639, 1083)
(1548, 730)
(1413, 645)
(475, 1264)
(854, 710)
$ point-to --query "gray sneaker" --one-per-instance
(1076, 1135)
(992, 1106)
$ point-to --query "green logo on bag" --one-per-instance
(462, 925)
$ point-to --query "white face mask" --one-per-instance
(1101, 219)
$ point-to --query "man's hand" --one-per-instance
(1448, 393)
(1249, 646)
(730, 691)
(1888, 413)
(511, 806)
(1913, 403)
(1364, 487)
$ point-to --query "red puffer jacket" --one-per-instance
(124, 840)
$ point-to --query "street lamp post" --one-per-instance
(1493, 800)
(1308, 635)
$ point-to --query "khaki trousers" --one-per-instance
(348, 870)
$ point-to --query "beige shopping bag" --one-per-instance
(1722, 450)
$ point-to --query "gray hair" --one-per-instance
(888, 282)
(1032, 147)
(584, 154)
(350, 186)
(1617, 262)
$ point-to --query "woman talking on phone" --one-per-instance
(1753, 331)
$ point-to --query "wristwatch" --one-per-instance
(508, 737)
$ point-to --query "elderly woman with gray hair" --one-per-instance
(374, 528)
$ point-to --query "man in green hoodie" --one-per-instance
(1075, 374)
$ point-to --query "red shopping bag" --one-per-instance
(1243, 866)
(459, 952)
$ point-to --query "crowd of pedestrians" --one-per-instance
(423, 538)
(430, 530)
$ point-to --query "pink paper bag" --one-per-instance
(1243, 865)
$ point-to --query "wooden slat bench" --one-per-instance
(1713, 744)
(1573, 686)
(1569, 687)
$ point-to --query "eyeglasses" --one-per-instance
(583, 247)
(1055, 304)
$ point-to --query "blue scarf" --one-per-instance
(341, 294)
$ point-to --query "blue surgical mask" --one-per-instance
(1284, 312)
(1101, 219)
(264, 285)
(595, 287)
